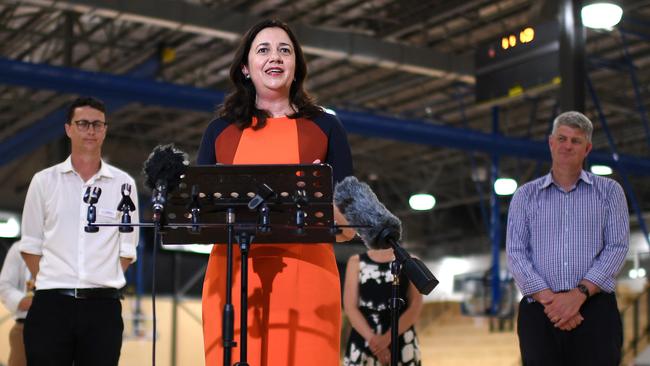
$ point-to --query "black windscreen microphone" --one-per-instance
(360, 206)
(163, 170)
(382, 230)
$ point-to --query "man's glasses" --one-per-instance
(83, 125)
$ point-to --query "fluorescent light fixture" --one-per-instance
(422, 202)
(9, 225)
(329, 110)
(505, 186)
(640, 272)
(601, 14)
(193, 248)
(601, 170)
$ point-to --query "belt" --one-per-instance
(85, 293)
(20, 320)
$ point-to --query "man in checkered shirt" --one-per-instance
(567, 239)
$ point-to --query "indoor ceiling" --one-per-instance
(408, 60)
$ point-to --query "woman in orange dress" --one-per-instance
(294, 303)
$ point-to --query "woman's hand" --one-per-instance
(384, 356)
(379, 342)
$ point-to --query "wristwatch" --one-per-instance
(582, 288)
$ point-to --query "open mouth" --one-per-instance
(274, 71)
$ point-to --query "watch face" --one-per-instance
(583, 289)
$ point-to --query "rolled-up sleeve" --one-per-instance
(33, 221)
(518, 246)
(10, 280)
(616, 241)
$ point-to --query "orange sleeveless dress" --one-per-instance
(294, 295)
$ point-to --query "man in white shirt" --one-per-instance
(75, 316)
(16, 295)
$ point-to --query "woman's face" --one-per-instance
(271, 61)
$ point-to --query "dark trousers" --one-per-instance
(61, 331)
(596, 341)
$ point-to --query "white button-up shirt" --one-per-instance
(13, 281)
(53, 224)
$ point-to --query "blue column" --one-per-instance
(495, 223)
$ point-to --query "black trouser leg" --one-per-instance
(598, 340)
(49, 331)
(99, 332)
(61, 330)
(539, 342)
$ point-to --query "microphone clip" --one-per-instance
(91, 196)
(158, 200)
(126, 205)
(300, 199)
(259, 202)
(195, 210)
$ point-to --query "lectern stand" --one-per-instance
(255, 204)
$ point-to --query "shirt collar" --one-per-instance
(104, 171)
(66, 166)
(548, 179)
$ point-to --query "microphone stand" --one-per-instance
(395, 305)
(158, 200)
(228, 316)
(416, 272)
(245, 239)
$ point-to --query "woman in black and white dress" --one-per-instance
(366, 296)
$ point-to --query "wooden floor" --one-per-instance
(137, 348)
(447, 338)
(452, 339)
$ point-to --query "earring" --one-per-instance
(248, 76)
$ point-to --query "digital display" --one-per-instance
(517, 60)
(527, 35)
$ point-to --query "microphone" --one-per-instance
(382, 230)
(163, 170)
(360, 206)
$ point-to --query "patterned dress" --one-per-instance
(375, 291)
(294, 299)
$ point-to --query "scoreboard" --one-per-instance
(517, 61)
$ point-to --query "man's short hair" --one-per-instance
(574, 119)
(84, 102)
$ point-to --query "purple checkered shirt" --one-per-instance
(557, 238)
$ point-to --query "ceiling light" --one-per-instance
(505, 186)
(330, 111)
(422, 202)
(601, 170)
(193, 248)
(9, 226)
(603, 14)
(640, 272)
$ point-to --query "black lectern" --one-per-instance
(249, 204)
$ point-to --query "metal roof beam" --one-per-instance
(129, 89)
(336, 44)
